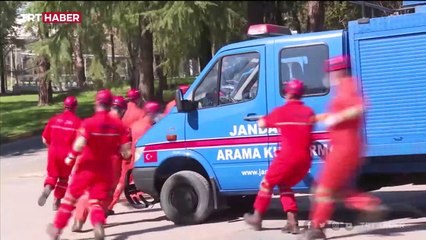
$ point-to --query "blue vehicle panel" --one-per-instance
(390, 57)
(222, 134)
(219, 137)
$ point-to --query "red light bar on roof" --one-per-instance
(267, 30)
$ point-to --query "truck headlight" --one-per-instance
(138, 153)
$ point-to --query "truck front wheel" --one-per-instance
(186, 198)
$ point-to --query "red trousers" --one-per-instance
(57, 171)
(341, 166)
(120, 184)
(97, 185)
(82, 207)
(284, 173)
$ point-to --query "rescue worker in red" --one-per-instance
(134, 112)
(172, 104)
(99, 139)
(119, 106)
(138, 129)
(58, 136)
(292, 161)
(344, 122)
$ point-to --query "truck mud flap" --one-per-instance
(135, 198)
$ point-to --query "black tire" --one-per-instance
(186, 198)
(241, 203)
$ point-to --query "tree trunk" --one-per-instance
(2, 71)
(255, 12)
(162, 79)
(79, 62)
(146, 57)
(315, 16)
(111, 36)
(206, 46)
(296, 20)
(43, 66)
(49, 91)
(278, 13)
(133, 69)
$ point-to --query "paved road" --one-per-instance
(22, 175)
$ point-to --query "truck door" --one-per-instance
(303, 58)
(223, 129)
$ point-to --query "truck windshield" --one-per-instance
(305, 63)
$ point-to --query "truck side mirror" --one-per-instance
(178, 99)
(184, 105)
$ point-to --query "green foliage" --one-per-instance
(338, 14)
(177, 26)
(96, 71)
(8, 14)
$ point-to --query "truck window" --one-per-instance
(305, 63)
(204, 92)
(239, 78)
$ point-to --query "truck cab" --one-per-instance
(209, 150)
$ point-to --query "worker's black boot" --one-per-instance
(56, 204)
(292, 225)
(53, 232)
(98, 229)
(44, 195)
(376, 214)
(77, 226)
(254, 220)
(312, 234)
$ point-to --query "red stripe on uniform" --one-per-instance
(223, 142)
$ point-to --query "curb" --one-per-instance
(5, 140)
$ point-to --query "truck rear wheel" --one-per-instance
(186, 198)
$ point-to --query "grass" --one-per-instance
(20, 115)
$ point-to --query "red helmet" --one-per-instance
(133, 94)
(104, 96)
(337, 63)
(151, 107)
(294, 87)
(119, 101)
(184, 88)
(70, 102)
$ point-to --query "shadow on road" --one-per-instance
(139, 211)
(411, 205)
(389, 232)
(20, 147)
(126, 235)
(161, 218)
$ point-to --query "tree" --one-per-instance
(50, 49)
(255, 12)
(8, 14)
(188, 29)
(315, 21)
(126, 22)
(146, 57)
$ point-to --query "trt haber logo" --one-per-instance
(61, 17)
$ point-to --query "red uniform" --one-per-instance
(293, 161)
(343, 162)
(104, 136)
(132, 114)
(59, 135)
(138, 129)
(82, 207)
(169, 106)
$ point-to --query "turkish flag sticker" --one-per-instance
(150, 157)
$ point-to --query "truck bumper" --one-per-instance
(144, 180)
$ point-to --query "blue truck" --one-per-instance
(209, 152)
